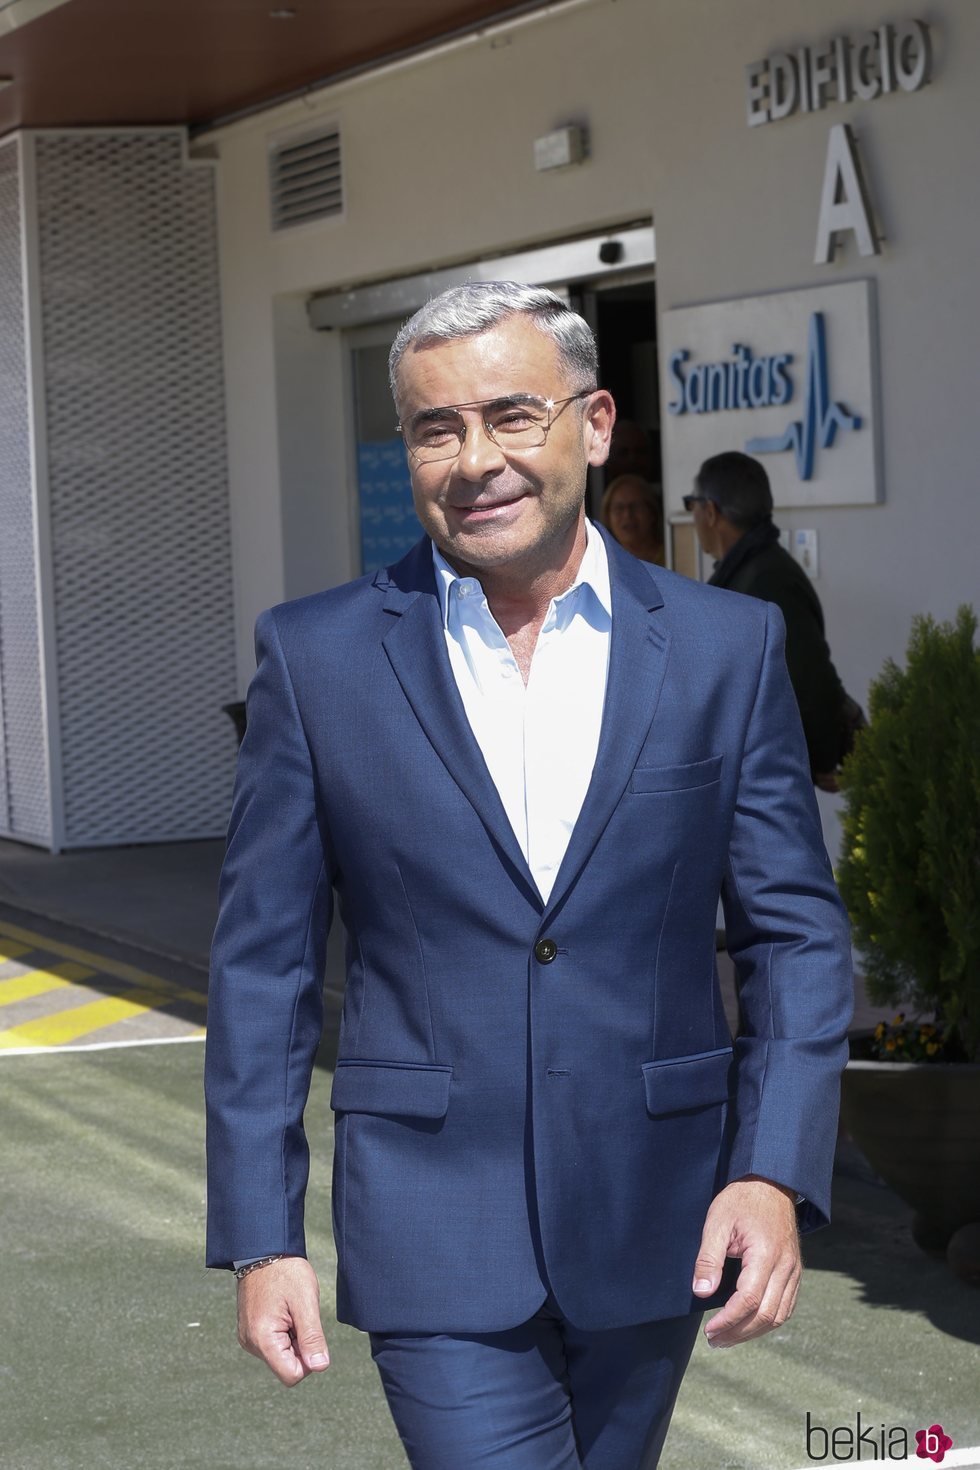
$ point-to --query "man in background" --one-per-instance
(732, 510)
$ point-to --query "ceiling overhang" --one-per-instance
(118, 63)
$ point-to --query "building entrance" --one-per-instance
(609, 280)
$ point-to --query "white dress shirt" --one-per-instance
(539, 740)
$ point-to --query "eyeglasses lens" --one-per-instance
(440, 433)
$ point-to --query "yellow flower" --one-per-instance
(899, 1019)
(890, 1044)
(927, 1030)
(932, 1047)
(900, 1040)
(879, 1030)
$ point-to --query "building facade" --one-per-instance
(766, 208)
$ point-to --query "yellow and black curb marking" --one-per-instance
(55, 996)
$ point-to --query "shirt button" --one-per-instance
(545, 951)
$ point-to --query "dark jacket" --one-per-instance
(760, 567)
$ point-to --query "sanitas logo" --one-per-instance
(862, 1441)
(764, 382)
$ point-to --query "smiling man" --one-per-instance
(527, 767)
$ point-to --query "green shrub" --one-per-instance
(910, 871)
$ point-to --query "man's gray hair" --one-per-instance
(463, 311)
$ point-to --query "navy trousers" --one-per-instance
(542, 1396)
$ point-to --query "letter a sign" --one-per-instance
(844, 204)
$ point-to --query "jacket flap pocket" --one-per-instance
(676, 778)
(687, 1082)
(401, 1089)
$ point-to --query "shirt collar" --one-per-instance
(593, 572)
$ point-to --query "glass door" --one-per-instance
(388, 524)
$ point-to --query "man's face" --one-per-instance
(704, 514)
(488, 508)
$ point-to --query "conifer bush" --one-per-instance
(910, 870)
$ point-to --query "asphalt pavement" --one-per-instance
(117, 1348)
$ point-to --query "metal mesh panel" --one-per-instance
(25, 809)
(138, 486)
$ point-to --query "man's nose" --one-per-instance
(480, 455)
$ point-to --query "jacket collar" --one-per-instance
(416, 648)
(747, 546)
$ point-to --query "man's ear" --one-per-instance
(600, 415)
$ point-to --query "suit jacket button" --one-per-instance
(545, 951)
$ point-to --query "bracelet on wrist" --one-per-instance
(243, 1271)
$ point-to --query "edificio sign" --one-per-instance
(895, 57)
(790, 377)
(842, 69)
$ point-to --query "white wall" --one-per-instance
(438, 170)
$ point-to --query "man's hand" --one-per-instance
(279, 1319)
(755, 1220)
(826, 780)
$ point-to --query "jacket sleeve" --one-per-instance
(265, 998)
(789, 939)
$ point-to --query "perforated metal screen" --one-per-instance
(25, 809)
(138, 486)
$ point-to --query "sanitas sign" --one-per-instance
(742, 382)
(789, 377)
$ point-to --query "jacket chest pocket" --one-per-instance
(649, 780)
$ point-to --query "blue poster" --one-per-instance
(389, 525)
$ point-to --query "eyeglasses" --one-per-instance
(518, 421)
(689, 500)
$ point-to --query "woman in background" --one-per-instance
(632, 509)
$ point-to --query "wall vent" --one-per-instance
(305, 179)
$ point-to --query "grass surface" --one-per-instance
(118, 1350)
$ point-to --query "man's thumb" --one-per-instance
(311, 1345)
(708, 1266)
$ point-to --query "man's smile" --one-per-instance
(485, 510)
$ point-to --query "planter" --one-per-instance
(918, 1125)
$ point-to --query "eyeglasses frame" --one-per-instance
(550, 403)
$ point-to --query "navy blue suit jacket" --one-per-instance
(478, 1081)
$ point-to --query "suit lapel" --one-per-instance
(416, 649)
(637, 664)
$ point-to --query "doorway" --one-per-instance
(388, 527)
(623, 317)
(617, 299)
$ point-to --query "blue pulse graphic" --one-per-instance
(820, 417)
